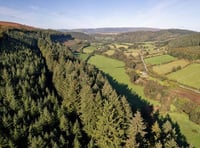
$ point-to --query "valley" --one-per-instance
(70, 89)
(179, 77)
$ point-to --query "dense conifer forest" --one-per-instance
(50, 98)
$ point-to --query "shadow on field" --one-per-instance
(146, 109)
(135, 101)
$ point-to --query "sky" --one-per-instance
(71, 14)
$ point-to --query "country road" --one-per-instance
(142, 59)
(192, 89)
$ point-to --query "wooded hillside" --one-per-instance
(48, 98)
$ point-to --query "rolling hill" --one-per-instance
(114, 30)
(15, 25)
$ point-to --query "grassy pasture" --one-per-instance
(83, 56)
(127, 44)
(188, 128)
(149, 45)
(121, 45)
(89, 49)
(167, 68)
(159, 59)
(112, 46)
(110, 52)
(188, 76)
(115, 68)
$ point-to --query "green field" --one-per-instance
(112, 46)
(188, 128)
(159, 59)
(148, 46)
(166, 68)
(89, 49)
(188, 76)
(121, 45)
(115, 68)
(110, 52)
(83, 56)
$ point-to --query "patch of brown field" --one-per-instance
(9, 25)
(185, 93)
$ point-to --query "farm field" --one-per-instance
(112, 46)
(83, 56)
(110, 52)
(115, 68)
(167, 68)
(121, 45)
(159, 59)
(188, 76)
(188, 128)
(148, 45)
(89, 49)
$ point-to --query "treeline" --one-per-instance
(48, 98)
(81, 36)
(190, 108)
(143, 36)
(190, 53)
(185, 41)
(187, 47)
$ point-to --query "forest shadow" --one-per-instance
(146, 109)
(135, 101)
(181, 139)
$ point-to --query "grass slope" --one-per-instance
(159, 59)
(115, 68)
(188, 76)
(110, 52)
(188, 128)
(89, 49)
(83, 56)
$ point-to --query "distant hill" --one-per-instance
(112, 30)
(187, 47)
(186, 41)
(160, 35)
(80, 35)
(142, 36)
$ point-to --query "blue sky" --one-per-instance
(68, 14)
